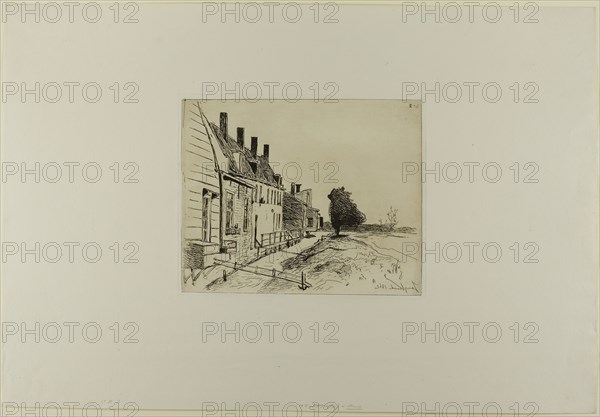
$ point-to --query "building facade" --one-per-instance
(232, 199)
(202, 190)
(253, 169)
(298, 211)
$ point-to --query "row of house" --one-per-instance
(235, 207)
(298, 212)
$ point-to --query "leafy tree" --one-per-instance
(343, 211)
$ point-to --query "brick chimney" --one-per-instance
(266, 151)
(293, 188)
(298, 187)
(223, 124)
(254, 145)
(240, 137)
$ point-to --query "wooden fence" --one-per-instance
(267, 272)
(284, 236)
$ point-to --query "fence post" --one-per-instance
(303, 282)
(224, 276)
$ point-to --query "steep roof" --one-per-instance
(241, 166)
